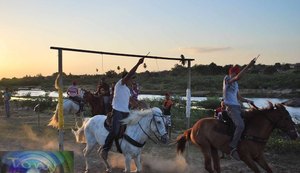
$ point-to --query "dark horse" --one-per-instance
(95, 101)
(208, 134)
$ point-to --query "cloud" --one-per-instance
(200, 50)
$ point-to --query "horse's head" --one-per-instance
(281, 119)
(86, 96)
(158, 124)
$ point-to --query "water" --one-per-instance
(259, 102)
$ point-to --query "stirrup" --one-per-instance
(234, 154)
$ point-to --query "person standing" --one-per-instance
(232, 100)
(7, 97)
(120, 105)
(135, 91)
(103, 90)
(167, 104)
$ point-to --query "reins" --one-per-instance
(151, 130)
(259, 139)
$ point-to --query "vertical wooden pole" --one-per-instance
(188, 96)
(60, 104)
(188, 106)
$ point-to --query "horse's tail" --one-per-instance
(54, 120)
(181, 140)
(79, 134)
(56, 84)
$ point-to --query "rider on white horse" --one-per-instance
(120, 106)
(73, 94)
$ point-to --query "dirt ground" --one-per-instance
(21, 132)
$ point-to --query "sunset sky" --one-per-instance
(223, 32)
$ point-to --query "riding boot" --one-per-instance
(107, 145)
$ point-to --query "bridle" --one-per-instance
(153, 120)
(274, 125)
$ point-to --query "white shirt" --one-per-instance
(230, 91)
(121, 97)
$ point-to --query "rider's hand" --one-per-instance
(250, 102)
(141, 60)
(252, 61)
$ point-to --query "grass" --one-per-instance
(276, 143)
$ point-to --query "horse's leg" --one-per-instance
(263, 163)
(127, 162)
(251, 164)
(107, 166)
(86, 151)
(207, 158)
(216, 159)
(76, 122)
(137, 161)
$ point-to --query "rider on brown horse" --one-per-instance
(231, 98)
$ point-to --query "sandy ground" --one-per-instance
(21, 132)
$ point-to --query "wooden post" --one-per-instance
(37, 110)
(188, 106)
(60, 104)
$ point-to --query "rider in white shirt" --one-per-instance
(120, 106)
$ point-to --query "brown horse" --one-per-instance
(96, 102)
(208, 134)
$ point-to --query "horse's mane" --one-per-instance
(135, 116)
(270, 107)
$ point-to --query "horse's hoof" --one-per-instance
(86, 171)
(108, 170)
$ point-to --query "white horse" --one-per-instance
(69, 107)
(140, 124)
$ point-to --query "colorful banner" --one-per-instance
(37, 161)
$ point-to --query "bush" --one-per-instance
(277, 143)
(210, 103)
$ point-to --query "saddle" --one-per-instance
(108, 126)
(229, 125)
(78, 102)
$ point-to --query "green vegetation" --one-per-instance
(260, 81)
(202, 109)
(45, 103)
(277, 143)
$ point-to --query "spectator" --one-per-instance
(7, 97)
(103, 89)
(167, 104)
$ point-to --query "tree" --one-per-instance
(119, 68)
(111, 74)
(270, 70)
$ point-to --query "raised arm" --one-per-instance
(132, 71)
(242, 72)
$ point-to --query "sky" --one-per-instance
(223, 32)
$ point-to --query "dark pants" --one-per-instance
(79, 101)
(106, 104)
(116, 124)
(234, 113)
(7, 108)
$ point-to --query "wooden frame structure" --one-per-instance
(60, 71)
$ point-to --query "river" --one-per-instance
(260, 102)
